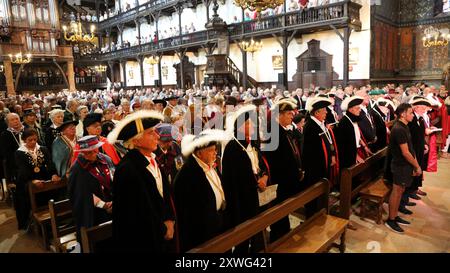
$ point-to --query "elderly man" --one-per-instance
(200, 194)
(71, 108)
(10, 141)
(284, 163)
(143, 217)
(365, 122)
(348, 134)
(29, 121)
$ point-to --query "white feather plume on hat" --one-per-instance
(312, 101)
(290, 101)
(141, 114)
(233, 117)
(191, 142)
(387, 102)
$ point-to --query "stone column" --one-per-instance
(9, 78)
(71, 76)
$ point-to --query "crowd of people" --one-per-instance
(174, 168)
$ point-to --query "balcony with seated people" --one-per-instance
(312, 18)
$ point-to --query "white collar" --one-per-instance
(23, 148)
(318, 122)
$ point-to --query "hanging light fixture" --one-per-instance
(435, 37)
(100, 68)
(152, 60)
(258, 5)
(75, 33)
(20, 59)
(251, 46)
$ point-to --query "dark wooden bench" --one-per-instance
(375, 194)
(316, 234)
(360, 178)
(92, 236)
(40, 215)
(63, 225)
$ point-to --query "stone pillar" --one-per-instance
(9, 78)
(71, 76)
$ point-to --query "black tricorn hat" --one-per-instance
(163, 102)
(317, 103)
(28, 111)
(134, 124)
(92, 118)
(66, 123)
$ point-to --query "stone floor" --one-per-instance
(429, 231)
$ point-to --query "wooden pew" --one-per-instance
(63, 225)
(40, 215)
(359, 177)
(316, 234)
(90, 237)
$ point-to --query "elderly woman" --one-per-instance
(57, 118)
(63, 146)
(90, 184)
(34, 164)
(82, 112)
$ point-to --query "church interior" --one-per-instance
(225, 126)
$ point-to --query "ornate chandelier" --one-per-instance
(435, 37)
(75, 33)
(20, 59)
(251, 46)
(258, 5)
(100, 68)
(152, 60)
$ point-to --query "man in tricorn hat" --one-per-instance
(348, 135)
(167, 112)
(200, 195)
(320, 148)
(284, 162)
(143, 217)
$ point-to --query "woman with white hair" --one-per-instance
(51, 133)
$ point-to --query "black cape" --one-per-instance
(139, 211)
(81, 186)
(50, 135)
(26, 173)
(9, 143)
(284, 167)
(367, 127)
(346, 142)
(380, 127)
(314, 162)
(195, 203)
(237, 173)
(417, 130)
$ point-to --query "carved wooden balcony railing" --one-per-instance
(336, 15)
(138, 12)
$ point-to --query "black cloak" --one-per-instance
(139, 211)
